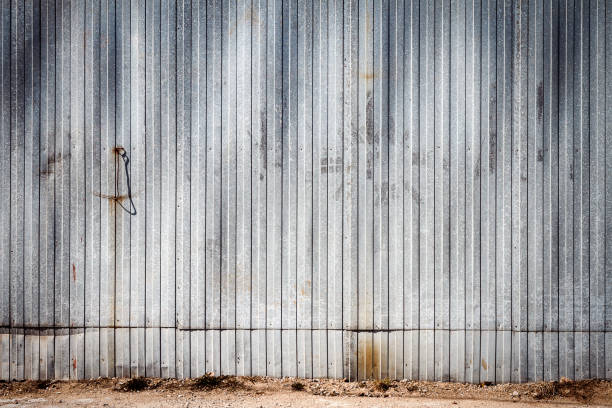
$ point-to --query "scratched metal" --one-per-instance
(313, 188)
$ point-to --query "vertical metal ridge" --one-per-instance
(93, 183)
(5, 185)
(608, 194)
(459, 180)
(551, 187)
(488, 192)
(258, 186)
(213, 186)
(17, 190)
(168, 187)
(365, 189)
(581, 256)
(152, 208)
(519, 178)
(335, 188)
(597, 181)
(305, 192)
(441, 190)
(320, 175)
(31, 185)
(183, 186)
(76, 190)
(246, 19)
(62, 186)
(47, 168)
(504, 193)
(274, 187)
(228, 187)
(412, 161)
(136, 200)
(426, 182)
(123, 139)
(473, 174)
(396, 189)
(566, 181)
(198, 186)
(289, 189)
(107, 186)
(535, 157)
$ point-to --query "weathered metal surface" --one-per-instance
(328, 188)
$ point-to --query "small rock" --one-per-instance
(515, 394)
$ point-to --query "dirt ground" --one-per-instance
(211, 391)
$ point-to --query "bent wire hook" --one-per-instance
(126, 160)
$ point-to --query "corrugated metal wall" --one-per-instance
(352, 188)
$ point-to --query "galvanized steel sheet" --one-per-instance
(313, 188)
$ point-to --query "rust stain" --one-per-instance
(112, 198)
(73, 273)
(118, 149)
(74, 364)
(484, 364)
(367, 75)
(249, 15)
(371, 356)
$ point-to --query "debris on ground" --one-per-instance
(244, 390)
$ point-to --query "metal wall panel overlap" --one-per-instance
(313, 188)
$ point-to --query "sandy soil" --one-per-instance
(287, 392)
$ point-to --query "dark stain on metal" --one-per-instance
(477, 167)
(73, 273)
(369, 118)
(50, 167)
(263, 143)
(492, 152)
(540, 100)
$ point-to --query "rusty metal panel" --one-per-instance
(343, 188)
